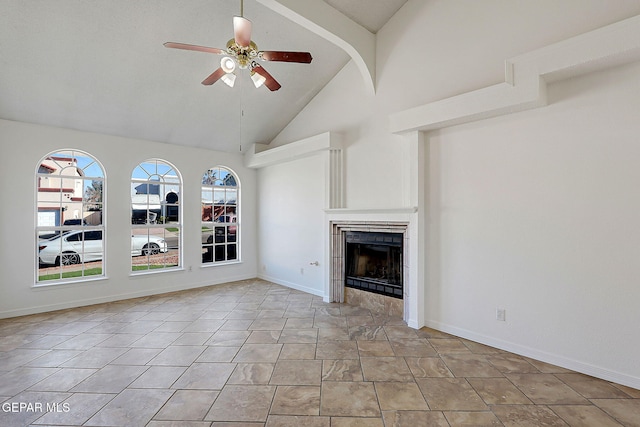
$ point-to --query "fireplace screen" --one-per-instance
(374, 262)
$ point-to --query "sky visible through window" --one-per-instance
(155, 171)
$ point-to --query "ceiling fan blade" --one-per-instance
(194, 47)
(242, 31)
(274, 55)
(270, 82)
(214, 77)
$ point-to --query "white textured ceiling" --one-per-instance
(371, 14)
(100, 66)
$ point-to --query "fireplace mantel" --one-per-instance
(373, 211)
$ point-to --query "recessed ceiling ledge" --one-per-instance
(526, 78)
(332, 25)
(295, 150)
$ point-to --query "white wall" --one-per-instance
(536, 213)
(431, 50)
(23, 145)
(531, 212)
(291, 223)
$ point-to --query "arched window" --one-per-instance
(70, 230)
(220, 216)
(156, 220)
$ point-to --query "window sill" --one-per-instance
(221, 263)
(155, 271)
(57, 283)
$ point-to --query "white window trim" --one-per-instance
(103, 227)
(238, 222)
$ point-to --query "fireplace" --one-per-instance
(384, 287)
(373, 262)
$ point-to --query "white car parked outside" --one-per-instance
(75, 247)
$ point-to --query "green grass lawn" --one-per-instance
(70, 274)
(97, 271)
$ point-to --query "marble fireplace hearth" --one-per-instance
(378, 304)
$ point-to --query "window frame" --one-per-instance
(88, 171)
(212, 249)
(155, 223)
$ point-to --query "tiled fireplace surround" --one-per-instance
(375, 302)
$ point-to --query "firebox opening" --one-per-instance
(374, 262)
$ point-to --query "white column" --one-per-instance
(416, 163)
(335, 198)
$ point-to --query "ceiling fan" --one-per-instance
(242, 52)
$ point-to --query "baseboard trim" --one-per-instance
(117, 297)
(292, 285)
(554, 359)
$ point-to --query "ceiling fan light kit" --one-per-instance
(242, 52)
(258, 80)
(227, 64)
(229, 79)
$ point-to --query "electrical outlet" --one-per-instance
(501, 314)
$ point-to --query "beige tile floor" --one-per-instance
(254, 354)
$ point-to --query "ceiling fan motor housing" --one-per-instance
(243, 55)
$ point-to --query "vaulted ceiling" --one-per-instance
(100, 66)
